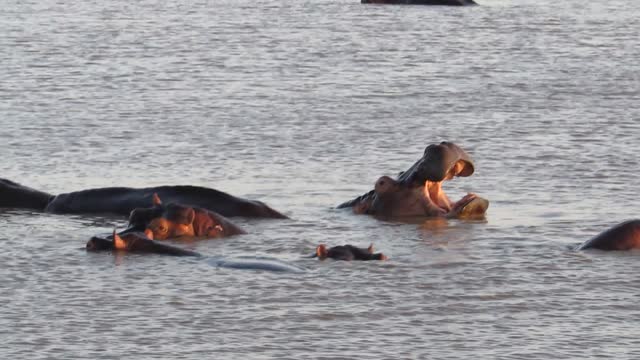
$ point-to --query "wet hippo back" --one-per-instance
(14, 195)
(624, 236)
(115, 200)
(122, 200)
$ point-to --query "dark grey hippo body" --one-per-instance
(348, 253)
(623, 236)
(422, 2)
(122, 200)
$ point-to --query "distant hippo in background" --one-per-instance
(122, 200)
(161, 222)
(348, 253)
(418, 192)
(422, 2)
(624, 236)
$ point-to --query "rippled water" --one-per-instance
(304, 104)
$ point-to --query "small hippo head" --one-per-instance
(348, 253)
(184, 221)
(135, 242)
(161, 222)
(139, 218)
(175, 221)
(131, 241)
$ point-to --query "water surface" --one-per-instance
(304, 104)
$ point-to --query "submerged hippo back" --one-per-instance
(624, 236)
(14, 195)
(114, 200)
(122, 200)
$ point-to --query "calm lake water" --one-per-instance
(304, 104)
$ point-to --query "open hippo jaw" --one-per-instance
(418, 191)
(392, 198)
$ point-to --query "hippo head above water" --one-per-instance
(348, 253)
(134, 242)
(418, 191)
(161, 222)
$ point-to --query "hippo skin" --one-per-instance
(623, 236)
(122, 200)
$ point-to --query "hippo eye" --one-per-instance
(162, 229)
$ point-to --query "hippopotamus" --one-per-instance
(348, 253)
(137, 242)
(418, 191)
(161, 222)
(122, 200)
(623, 236)
(422, 2)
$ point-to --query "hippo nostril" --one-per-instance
(91, 245)
(381, 182)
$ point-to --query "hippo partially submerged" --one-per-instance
(422, 2)
(623, 236)
(348, 253)
(122, 200)
(418, 191)
(161, 222)
(136, 242)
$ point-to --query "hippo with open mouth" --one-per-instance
(122, 200)
(418, 192)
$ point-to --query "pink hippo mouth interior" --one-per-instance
(434, 194)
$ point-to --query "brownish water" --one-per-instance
(304, 105)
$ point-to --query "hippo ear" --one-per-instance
(118, 243)
(321, 251)
(370, 249)
(156, 200)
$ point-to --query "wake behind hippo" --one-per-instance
(418, 192)
(122, 200)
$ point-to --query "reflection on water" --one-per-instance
(304, 105)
